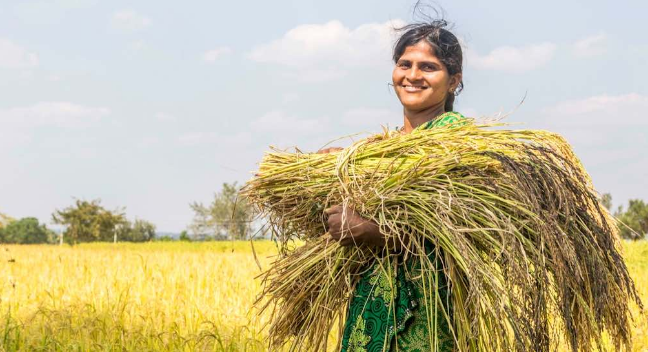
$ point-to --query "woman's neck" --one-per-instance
(413, 119)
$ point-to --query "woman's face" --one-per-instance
(421, 81)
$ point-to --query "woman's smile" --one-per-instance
(413, 88)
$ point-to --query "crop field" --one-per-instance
(157, 296)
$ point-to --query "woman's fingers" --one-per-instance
(343, 237)
(334, 223)
(333, 210)
(329, 150)
(347, 241)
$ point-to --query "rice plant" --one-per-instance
(531, 256)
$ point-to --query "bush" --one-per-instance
(138, 231)
(184, 236)
(26, 231)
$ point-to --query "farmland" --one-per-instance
(157, 296)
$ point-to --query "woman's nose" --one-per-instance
(413, 73)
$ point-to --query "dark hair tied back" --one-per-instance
(445, 45)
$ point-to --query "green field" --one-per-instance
(156, 296)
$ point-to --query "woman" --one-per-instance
(426, 77)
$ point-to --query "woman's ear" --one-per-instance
(455, 80)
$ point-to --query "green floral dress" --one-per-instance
(386, 317)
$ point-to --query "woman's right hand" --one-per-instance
(329, 150)
(354, 229)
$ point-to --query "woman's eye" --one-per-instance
(403, 65)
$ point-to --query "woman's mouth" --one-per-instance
(413, 89)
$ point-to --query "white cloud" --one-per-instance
(512, 59)
(162, 116)
(331, 47)
(617, 110)
(469, 112)
(280, 121)
(371, 118)
(215, 54)
(47, 11)
(192, 139)
(9, 139)
(130, 20)
(597, 121)
(591, 46)
(14, 56)
(20, 123)
(316, 75)
(57, 114)
(148, 141)
(288, 98)
(26, 75)
(137, 45)
(610, 136)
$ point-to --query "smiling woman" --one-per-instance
(383, 316)
(467, 237)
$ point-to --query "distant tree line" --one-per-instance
(228, 216)
(26, 231)
(88, 221)
(85, 221)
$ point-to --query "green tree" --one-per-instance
(26, 231)
(138, 231)
(606, 200)
(228, 216)
(88, 221)
(634, 220)
(184, 236)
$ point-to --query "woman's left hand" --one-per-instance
(355, 229)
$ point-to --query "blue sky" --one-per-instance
(151, 105)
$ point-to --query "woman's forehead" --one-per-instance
(420, 51)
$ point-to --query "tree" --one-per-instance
(138, 231)
(26, 231)
(184, 237)
(635, 219)
(228, 216)
(89, 221)
(606, 200)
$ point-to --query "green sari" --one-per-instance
(386, 317)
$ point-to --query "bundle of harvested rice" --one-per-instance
(530, 255)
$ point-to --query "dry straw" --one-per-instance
(530, 254)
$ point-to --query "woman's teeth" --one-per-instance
(409, 88)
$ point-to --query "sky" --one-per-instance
(152, 105)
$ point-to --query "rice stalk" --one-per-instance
(529, 252)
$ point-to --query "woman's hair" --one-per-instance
(445, 45)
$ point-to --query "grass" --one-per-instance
(136, 297)
(158, 296)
